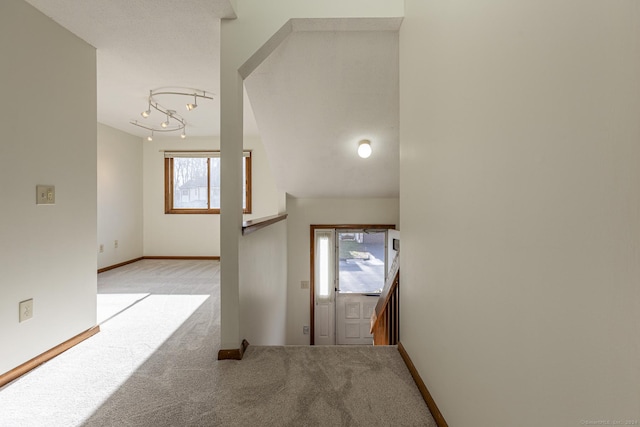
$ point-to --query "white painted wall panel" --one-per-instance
(119, 196)
(263, 285)
(520, 201)
(48, 120)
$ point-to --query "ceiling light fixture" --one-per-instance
(166, 124)
(191, 106)
(174, 122)
(364, 148)
(147, 112)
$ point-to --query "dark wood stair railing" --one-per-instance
(385, 318)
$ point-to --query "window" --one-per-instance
(323, 242)
(192, 182)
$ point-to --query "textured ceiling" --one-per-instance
(148, 44)
(325, 87)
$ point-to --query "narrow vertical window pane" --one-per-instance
(244, 184)
(190, 183)
(323, 244)
(215, 183)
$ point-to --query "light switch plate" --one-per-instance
(45, 195)
(26, 310)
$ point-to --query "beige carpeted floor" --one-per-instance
(154, 364)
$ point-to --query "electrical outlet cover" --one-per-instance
(45, 195)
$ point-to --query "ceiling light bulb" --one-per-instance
(364, 148)
(150, 137)
(165, 124)
(183, 135)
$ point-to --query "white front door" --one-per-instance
(354, 318)
(361, 266)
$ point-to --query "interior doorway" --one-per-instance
(348, 270)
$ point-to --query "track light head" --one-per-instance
(166, 124)
(183, 135)
(194, 105)
(146, 113)
(150, 137)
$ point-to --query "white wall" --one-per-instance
(303, 213)
(119, 196)
(195, 235)
(520, 209)
(263, 285)
(48, 121)
(265, 195)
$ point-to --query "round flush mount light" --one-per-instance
(364, 148)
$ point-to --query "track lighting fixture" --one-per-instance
(174, 122)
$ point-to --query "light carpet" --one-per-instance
(154, 364)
